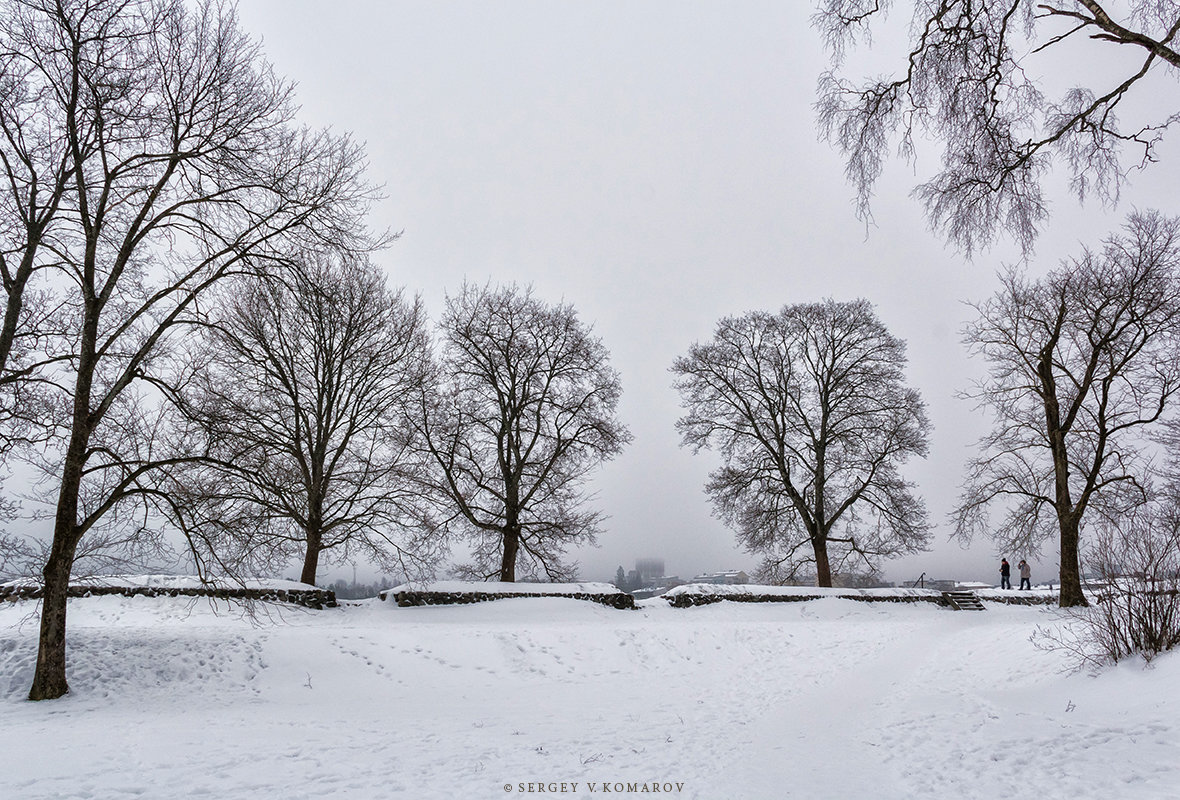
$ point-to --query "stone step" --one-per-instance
(963, 601)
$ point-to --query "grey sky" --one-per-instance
(656, 164)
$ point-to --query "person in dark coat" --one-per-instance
(1025, 574)
(1005, 574)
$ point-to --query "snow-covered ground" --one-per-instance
(547, 697)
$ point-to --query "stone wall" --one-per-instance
(411, 598)
(309, 598)
(1021, 600)
(687, 600)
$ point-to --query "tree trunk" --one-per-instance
(314, 532)
(508, 562)
(49, 678)
(1068, 520)
(1071, 575)
(823, 568)
(820, 524)
(511, 528)
(311, 560)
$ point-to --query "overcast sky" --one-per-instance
(656, 164)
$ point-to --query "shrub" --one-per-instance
(1137, 610)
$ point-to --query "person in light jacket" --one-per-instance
(1025, 574)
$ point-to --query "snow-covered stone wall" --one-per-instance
(459, 592)
(181, 586)
(698, 594)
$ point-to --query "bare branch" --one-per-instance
(964, 84)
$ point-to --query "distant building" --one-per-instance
(648, 578)
(731, 577)
(648, 568)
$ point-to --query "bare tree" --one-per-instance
(1082, 362)
(810, 414)
(974, 80)
(184, 168)
(303, 387)
(35, 168)
(521, 411)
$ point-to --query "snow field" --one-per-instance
(823, 699)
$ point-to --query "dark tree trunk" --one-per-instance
(823, 568)
(1068, 518)
(311, 560)
(508, 562)
(314, 532)
(49, 678)
(1071, 576)
(511, 529)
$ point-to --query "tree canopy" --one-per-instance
(977, 79)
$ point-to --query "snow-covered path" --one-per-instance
(825, 699)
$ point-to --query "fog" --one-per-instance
(656, 165)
